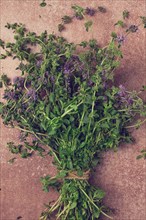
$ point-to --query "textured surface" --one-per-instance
(120, 174)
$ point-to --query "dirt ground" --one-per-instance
(121, 176)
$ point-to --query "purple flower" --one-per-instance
(40, 80)
(104, 79)
(42, 93)
(90, 11)
(122, 91)
(90, 83)
(73, 65)
(39, 62)
(46, 73)
(84, 76)
(11, 95)
(124, 97)
(129, 101)
(105, 98)
(32, 94)
(79, 17)
(105, 85)
(24, 106)
(103, 72)
(19, 82)
(52, 79)
(66, 70)
(132, 28)
(120, 39)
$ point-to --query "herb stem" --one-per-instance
(95, 204)
(54, 205)
(25, 84)
(135, 125)
(35, 39)
(63, 210)
(65, 113)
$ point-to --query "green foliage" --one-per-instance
(2, 43)
(102, 9)
(143, 21)
(80, 205)
(5, 80)
(88, 25)
(18, 150)
(114, 35)
(142, 155)
(67, 19)
(120, 23)
(43, 3)
(79, 11)
(60, 27)
(125, 14)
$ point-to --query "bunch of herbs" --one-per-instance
(68, 101)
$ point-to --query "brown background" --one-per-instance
(120, 174)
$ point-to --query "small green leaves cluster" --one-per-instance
(88, 24)
(142, 155)
(120, 23)
(25, 150)
(143, 21)
(80, 13)
(43, 3)
(125, 14)
(4, 80)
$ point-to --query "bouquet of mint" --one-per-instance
(68, 101)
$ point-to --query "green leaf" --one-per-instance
(143, 151)
(79, 11)
(67, 19)
(120, 24)
(1, 107)
(144, 87)
(51, 97)
(139, 157)
(102, 9)
(14, 149)
(93, 43)
(88, 25)
(143, 20)
(114, 35)
(2, 56)
(25, 153)
(61, 174)
(61, 27)
(5, 79)
(125, 14)
(2, 43)
(43, 3)
(84, 44)
(99, 194)
(80, 173)
(96, 213)
(73, 205)
(51, 132)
